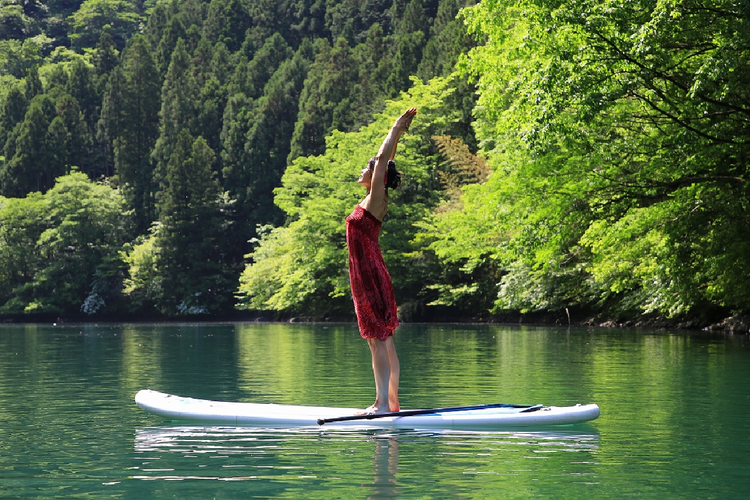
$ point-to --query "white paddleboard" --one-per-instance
(183, 409)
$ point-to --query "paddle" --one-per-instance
(410, 413)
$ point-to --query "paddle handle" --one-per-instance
(432, 411)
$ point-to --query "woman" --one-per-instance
(372, 290)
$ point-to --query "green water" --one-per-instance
(674, 421)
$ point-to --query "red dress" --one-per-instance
(372, 290)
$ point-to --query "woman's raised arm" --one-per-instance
(388, 149)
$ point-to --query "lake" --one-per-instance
(674, 422)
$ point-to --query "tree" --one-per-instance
(251, 79)
(179, 102)
(173, 31)
(76, 147)
(119, 18)
(410, 39)
(448, 40)
(18, 57)
(13, 111)
(31, 165)
(60, 250)
(618, 140)
(191, 262)
(326, 100)
(33, 85)
(270, 124)
(13, 23)
(82, 88)
(137, 128)
(226, 22)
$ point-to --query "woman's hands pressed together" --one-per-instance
(404, 121)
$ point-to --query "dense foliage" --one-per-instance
(191, 112)
(182, 157)
(619, 133)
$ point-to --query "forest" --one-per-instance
(577, 161)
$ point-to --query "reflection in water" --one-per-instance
(250, 453)
(385, 465)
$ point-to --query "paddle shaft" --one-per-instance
(410, 413)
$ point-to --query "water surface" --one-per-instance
(674, 418)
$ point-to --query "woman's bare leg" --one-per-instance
(395, 373)
(381, 368)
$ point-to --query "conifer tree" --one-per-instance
(13, 111)
(179, 98)
(105, 56)
(58, 143)
(31, 166)
(448, 40)
(33, 85)
(256, 170)
(157, 22)
(326, 100)
(193, 269)
(110, 121)
(78, 140)
(173, 31)
(410, 39)
(369, 93)
(220, 63)
(137, 129)
(81, 87)
(226, 22)
(105, 59)
(210, 111)
(252, 78)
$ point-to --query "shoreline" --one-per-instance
(733, 324)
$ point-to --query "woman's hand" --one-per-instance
(404, 121)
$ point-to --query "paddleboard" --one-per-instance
(491, 417)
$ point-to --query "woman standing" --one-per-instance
(372, 290)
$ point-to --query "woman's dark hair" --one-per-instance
(393, 176)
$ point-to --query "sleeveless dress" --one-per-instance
(372, 289)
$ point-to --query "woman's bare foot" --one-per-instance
(374, 409)
(368, 411)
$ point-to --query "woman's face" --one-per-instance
(365, 177)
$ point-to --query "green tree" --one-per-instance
(326, 100)
(105, 59)
(82, 87)
(191, 260)
(409, 38)
(13, 111)
(226, 22)
(251, 78)
(109, 125)
(270, 122)
(18, 57)
(448, 40)
(137, 129)
(76, 150)
(179, 107)
(60, 250)
(20, 228)
(618, 136)
(33, 84)
(173, 31)
(119, 18)
(13, 23)
(30, 162)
